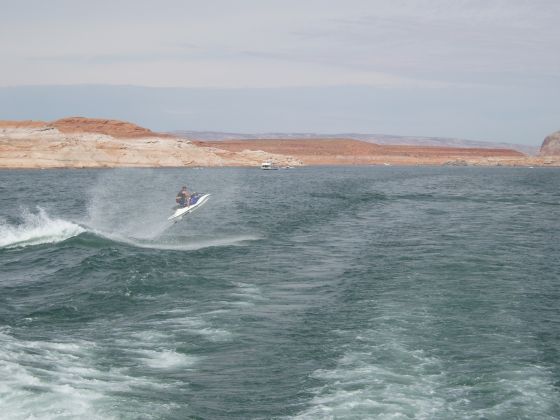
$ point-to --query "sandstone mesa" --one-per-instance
(551, 145)
(79, 142)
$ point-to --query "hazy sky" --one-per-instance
(441, 49)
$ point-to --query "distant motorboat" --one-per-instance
(268, 166)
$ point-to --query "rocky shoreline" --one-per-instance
(79, 142)
(105, 144)
(354, 152)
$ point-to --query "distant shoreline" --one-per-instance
(86, 143)
(256, 168)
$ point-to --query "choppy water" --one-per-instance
(312, 293)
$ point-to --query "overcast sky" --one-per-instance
(413, 49)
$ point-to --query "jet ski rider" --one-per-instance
(183, 197)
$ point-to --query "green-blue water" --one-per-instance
(311, 293)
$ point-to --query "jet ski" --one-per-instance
(196, 200)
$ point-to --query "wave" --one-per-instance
(39, 228)
(36, 229)
(193, 243)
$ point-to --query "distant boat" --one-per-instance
(268, 166)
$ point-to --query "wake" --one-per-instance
(131, 208)
(193, 243)
(37, 229)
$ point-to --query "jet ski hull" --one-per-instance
(196, 201)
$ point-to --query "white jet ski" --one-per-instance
(196, 200)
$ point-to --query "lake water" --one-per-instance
(312, 293)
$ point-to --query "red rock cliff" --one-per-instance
(551, 145)
(113, 128)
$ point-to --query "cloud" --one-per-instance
(455, 43)
(374, 42)
(429, 54)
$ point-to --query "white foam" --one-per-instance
(37, 228)
(192, 245)
(385, 374)
(195, 326)
(248, 291)
(214, 334)
(382, 373)
(166, 359)
(526, 392)
(175, 244)
(29, 390)
(53, 380)
(360, 388)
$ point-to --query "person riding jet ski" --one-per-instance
(183, 197)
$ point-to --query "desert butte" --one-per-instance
(79, 142)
